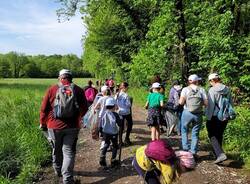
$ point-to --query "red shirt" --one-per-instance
(47, 116)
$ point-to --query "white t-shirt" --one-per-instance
(186, 90)
(101, 101)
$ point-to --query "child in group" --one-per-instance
(109, 129)
(154, 104)
(99, 107)
(124, 110)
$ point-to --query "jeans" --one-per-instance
(63, 153)
(186, 119)
(178, 128)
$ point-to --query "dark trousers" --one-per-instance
(108, 138)
(216, 128)
(129, 120)
(150, 177)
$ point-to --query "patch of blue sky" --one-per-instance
(31, 27)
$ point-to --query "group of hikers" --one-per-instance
(109, 108)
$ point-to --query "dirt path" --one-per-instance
(87, 169)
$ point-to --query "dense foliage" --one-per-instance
(174, 38)
(16, 65)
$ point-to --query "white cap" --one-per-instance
(104, 88)
(65, 71)
(110, 102)
(213, 76)
(194, 77)
(156, 85)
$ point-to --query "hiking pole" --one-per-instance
(120, 140)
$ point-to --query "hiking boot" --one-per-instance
(220, 158)
(102, 161)
(114, 163)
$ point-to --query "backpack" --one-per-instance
(194, 101)
(159, 150)
(65, 103)
(186, 159)
(108, 123)
(90, 94)
(226, 110)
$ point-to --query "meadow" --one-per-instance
(23, 149)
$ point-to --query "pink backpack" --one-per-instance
(90, 94)
(186, 159)
(159, 150)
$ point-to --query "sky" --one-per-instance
(31, 27)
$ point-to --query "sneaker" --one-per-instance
(222, 157)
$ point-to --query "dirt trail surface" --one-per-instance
(87, 169)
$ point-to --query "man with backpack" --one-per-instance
(219, 111)
(62, 108)
(193, 97)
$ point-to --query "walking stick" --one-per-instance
(120, 140)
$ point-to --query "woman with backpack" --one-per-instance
(173, 104)
(154, 104)
(216, 127)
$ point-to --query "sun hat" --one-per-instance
(155, 85)
(194, 77)
(213, 76)
(65, 71)
(104, 88)
(110, 102)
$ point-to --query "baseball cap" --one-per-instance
(213, 76)
(110, 102)
(65, 71)
(194, 77)
(104, 88)
(156, 85)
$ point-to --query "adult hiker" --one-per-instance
(215, 126)
(173, 103)
(62, 108)
(193, 97)
(109, 128)
(90, 92)
(124, 110)
(154, 104)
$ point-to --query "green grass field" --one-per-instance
(23, 149)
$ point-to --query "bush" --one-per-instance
(237, 135)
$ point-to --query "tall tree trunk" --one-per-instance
(182, 37)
